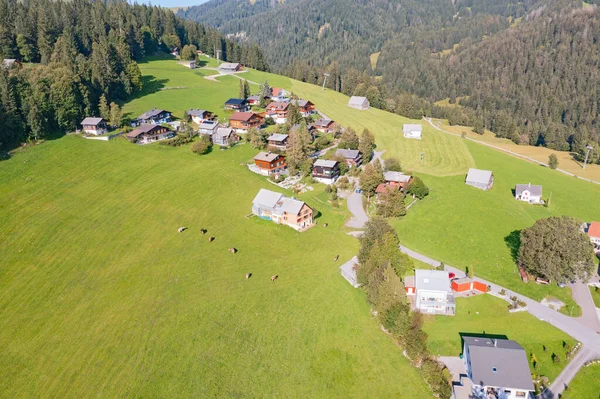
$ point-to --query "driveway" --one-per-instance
(583, 297)
(355, 206)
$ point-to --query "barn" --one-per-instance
(467, 284)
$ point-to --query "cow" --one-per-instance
(336, 258)
(275, 277)
(325, 225)
(181, 229)
(248, 275)
(211, 239)
(203, 231)
(232, 250)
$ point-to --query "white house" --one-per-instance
(278, 94)
(198, 115)
(433, 292)
(593, 231)
(497, 368)
(360, 103)
(412, 131)
(482, 179)
(529, 193)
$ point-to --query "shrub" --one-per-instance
(502, 292)
(202, 146)
(177, 141)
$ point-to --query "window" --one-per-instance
(494, 369)
(520, 394)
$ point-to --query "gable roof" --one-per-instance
(398, 177)
(278, 137)
(277, 106)
(267, 198)
(151, 113)
(411, 127)
(266, 156)
(291, 205)
(8, 62)
(208, 125)
(254, 98)
(235, 101)
(91, 121)
(348, 154)
(276, 91)
(479, 176)
(223, 132)
(143, 129)
(533, 189)
(326, 163)
(323, 122)
(229, 65)
(356, 100)
(196, 112)
(241, 116)
(499, 363)
(434, 280)
(383, 187)
(301, 103)
(594, 229)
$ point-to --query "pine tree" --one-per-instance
(103, 108)
(366, 145)
(553, 161)
(116, 115)
(246, 90)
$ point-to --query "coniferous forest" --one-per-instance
(525, 69)
(75, 53)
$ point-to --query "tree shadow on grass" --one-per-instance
(513, 242)
(150, 85)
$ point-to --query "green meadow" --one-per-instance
(580, 387)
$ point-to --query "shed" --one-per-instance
(468, 284)
(412, 131)
(357, 102)
(482, 179)
(409, 285)
(348, 271)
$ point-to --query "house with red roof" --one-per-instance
(593, 231)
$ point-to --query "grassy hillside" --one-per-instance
(100, 294)
(580, 387)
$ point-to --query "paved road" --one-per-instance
(355, 207)
(377, 155)
(583, 297)
(558, 385)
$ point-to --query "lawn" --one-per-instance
(580, 387)
(595, 291)
(100, 296)
(485, 313)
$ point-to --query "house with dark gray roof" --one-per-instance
(278, 141)
(326, 171)
(198, 115)
(497, 368)
(481, 179)
(94, 126)
(230, 67)
(149, 133)
(225, 136)
(352, 157)
(276, 207)
(237, 105)
(360, 103)
(208, 127)
(529, 193)
(152, 117)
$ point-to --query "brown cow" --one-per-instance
(181, 229)
(273, 278)
(203, 231)
(232, 250)
(248, 275)
(211, 239)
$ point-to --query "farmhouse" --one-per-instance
(208, 127)
(497, 368)
(352, 157)
(225, 136)
(482, 179)
(433, 292)
(244, 121)
(467, 284)
(278, 94)
(324, 125)
(593, 231)
(278, 141)
(280, 209)
(277, 111)
(237, 105)
(152, 117)
(528, 193)
(326, 171)
(199, 115)
(145, 134)
(397, 179)
(268, 163)
(306, 107)
(229, 67)
(94, 126)
(360, 103)
(348, 271)
(412, 131)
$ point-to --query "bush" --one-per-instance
(277, 178)
(177, 141)
(502, 292)
(202, 146)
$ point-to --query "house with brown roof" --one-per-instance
(306, 107)
(278, 111)
(244, 121)
(352, 157)
(276, 207)
(278, 141)
(148, 133)
(94, 126)
(324, 125)
(269, 163)
(278, 94)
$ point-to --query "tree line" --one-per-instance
(75, 53)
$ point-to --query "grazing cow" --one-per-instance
(181, 229)
(203, 231)
(232, 250)
(336, 258)
(273, 278)
(248, 275)
(325, 224)
(211, 239)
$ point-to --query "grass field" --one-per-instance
(487, 313)
(595, 296)
(100, 296)
(581, 386)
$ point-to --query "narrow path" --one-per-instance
(355, 207)
(583, 297)
(562, 381)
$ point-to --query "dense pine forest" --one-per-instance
(527, 70)
(75, 53)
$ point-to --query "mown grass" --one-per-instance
(595, 292)
(485, 314)
(585, 384)
(100, 296)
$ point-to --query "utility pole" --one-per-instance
(324, 81)
(587, 154)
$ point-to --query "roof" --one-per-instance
(533, 189)
(382, 187)
(396, 177)
(323, 122)
(278, 105)
(411, 127)
(229, 65)
(254, 98)
(325, 163)
(91, 121)
(356, 100)
(278, 137)
(409, 281)
(301, 103)
(147, 128)
(276, 91)
(433, 280)
(266, 156)
(196, 112)
(151, 114)
(241, 116)
(8, 62)
(235, 101)
(208, 125)
(267, 198)
(348, 154)
(499, 363)
(464, 280)
(594, 229)
(479, 176)
(291, 205)
(223, 132)
(349, 272)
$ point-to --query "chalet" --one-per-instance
(278, 141)
(412, 131)
(229, 67)
(253, 100)
(276, 207)
(147, 133)
(326, 171)
(311, 130)
(398, 179)
(208, 127)
(593, 231)
(324, 125)
(360, 103)
(237, 105)
(306, 107)
(495, 368)
(481, 179)
(529, 193)
(268, 163)
(244, 121)
(199, 115)
(225, 136)
(94, 126)
(352, 157)
(278, 94)
(433, 292)
(278, 111)
(153, 117)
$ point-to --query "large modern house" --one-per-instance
(412, 131)
(152, 117)
(528, 193)
(433, 292)
(280, 209)
(496, 368)
(94, 126)
(360, 103)
(208, 127)
(148, 133)
(326, 171)
(269, 163)
(482, 179)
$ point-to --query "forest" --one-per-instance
(77, 54)
(526, 70)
